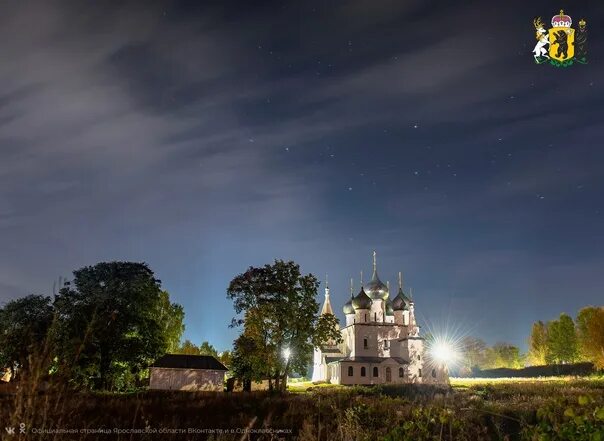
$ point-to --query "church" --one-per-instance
(381, 340)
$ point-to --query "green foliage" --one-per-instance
(590, 334)
(171, 317)
(247, 360)
(565, 63)
(279, 310)
(474, 355)
(24, 324)
(562, 344)
(538, 344)
(207, 349)
(569, 420)
(112, 324)
(503, 355)
(188, 348)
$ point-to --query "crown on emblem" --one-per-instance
(561, 20)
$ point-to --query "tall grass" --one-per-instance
(571, 410)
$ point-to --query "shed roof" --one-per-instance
(183, 361)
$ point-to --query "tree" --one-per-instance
(590, 330)
(171, 317)
(188, 348)
(24, 324)
(247, 362)
(562, 340)
(207, 349)
(538, 344)
(226, 358)
(112, 322)
(277, 306)
(473, 355)
(503, 355)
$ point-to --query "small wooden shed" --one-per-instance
(187, 372)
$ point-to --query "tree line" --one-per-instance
(104, 328)
(559, 341)
(566, 341)
(205, 348)
(477, 355)
(100, 331)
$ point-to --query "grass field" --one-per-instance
(472, 409)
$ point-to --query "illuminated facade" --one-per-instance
(381, 341)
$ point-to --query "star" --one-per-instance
(349, 188)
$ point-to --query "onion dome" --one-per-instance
(348, 309)
(361, 301)
(375, 288)
(389, 308)
(401, 301)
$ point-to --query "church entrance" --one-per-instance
(388, 375)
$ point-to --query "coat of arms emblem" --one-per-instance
(561, 45)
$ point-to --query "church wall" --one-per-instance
(369, 377)
(376, 335)
(377, 311)
(412, 349)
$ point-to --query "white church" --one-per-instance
(381, 340)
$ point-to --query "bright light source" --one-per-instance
(286, 353)
(443, 352)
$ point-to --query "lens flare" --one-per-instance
(443, 353)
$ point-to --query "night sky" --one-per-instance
(205, 137)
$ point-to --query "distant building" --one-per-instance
(381, 341)
(187, 372)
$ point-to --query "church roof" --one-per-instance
(327, 306)
(182, 361)
(361, 301)
(348, 309)
(327, 309)
(401, 301)
(389, 308)
(376, 288)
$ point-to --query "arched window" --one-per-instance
(365, 317)
(363, 371)
(419, 374)
(375, 316)
(365, 344)
(401, 372)
(350, 371)
(419, 357)
(375, 371)
(433, 373)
